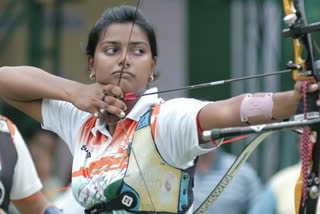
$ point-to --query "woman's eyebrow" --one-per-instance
(138, 43)
(110, 42)
(118, 42)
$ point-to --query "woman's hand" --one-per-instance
(97, 99)
(311, 88)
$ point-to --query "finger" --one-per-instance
(116, 102)
(298, 86)
(111, 109)
(313, 87)
(98, 113)
(116, 111)
(114, 90)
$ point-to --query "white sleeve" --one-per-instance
(64, 119)
(25, 178)
(176, 134)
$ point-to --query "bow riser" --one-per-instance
(303, 69)
(295, 19)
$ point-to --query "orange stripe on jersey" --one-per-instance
(86, 135)
(154, 118)
(114, 159)
(11, 126)
(105, 164)
(130, 126)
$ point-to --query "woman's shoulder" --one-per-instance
(184, 101)
(58, 110)
(61, 106)
(182, 105)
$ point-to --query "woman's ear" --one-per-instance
(91, 68)
(153, 66)
(154, 63)
(91, 63)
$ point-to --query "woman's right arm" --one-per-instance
(24, 87)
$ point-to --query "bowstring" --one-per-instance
(121, 121)
(140, 171)
(126, 53)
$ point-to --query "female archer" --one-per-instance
(131, 155)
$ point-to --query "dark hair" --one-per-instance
(122, 14)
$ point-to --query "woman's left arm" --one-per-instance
(228, 113)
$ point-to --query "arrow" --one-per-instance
(133, 96)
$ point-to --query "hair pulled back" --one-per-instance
(120, 15)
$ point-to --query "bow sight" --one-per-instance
(300, 31)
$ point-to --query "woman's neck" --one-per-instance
(112, 120)
(111, 128)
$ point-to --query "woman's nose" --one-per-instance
(124, 60)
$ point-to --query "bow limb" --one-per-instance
(244, 155)
(307, 187)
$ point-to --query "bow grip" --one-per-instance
(311, 107)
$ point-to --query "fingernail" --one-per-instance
(318, 102)
(314, 85)
(122, 114)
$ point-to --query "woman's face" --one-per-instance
(111, 51)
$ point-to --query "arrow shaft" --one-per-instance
(220, 82)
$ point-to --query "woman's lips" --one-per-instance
(123, 74)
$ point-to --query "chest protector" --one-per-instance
(150, 184)
(8, 160)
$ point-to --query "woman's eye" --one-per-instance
(110, 51)
(138, 51)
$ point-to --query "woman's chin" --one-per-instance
(127, 87)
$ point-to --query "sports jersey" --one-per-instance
(25, 178)
(101, 159)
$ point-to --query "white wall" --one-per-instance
(169, 19)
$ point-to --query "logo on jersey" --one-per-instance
(84, 148)
(127, 200)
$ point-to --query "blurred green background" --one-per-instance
(222, 39)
